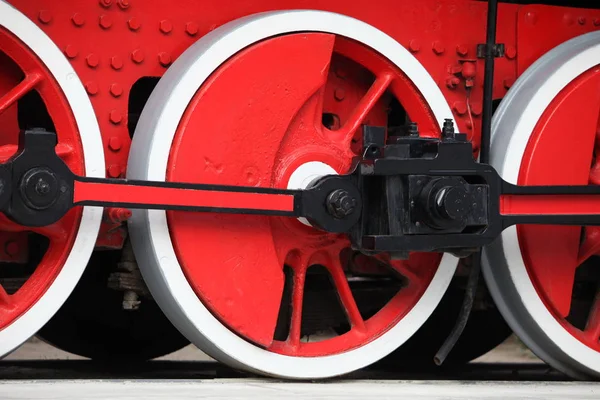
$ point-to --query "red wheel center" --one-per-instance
(288, 101)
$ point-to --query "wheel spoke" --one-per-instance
(365, 106)
(592, 327)
(16, 93)
(299, 265)
(336, 270)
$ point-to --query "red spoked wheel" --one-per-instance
(543, 278)
(276, 100)
(39, 89)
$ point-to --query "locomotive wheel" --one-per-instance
(34, 71)
(545, 278)
(245, 106)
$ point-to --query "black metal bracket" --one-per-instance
(497, 50)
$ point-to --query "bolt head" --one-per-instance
(71, 51)
(341, 204)
(165, 59)
(414, 46)
(106, 3)
(78, 19)
(166, 26)
(105, 21)
(92, 60)
(91, 88)
(114, 143)
(191, 28)
(137, 56)
(114, 171)
(116, 90)
(115, 117)
(438, 47)
(134, 24)
(462, 50)
(116, 63)
(124, 4)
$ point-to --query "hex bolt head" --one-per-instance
(78, 19)
(116, 63)
(91, 88)
(137, 56)
(438, 48)
(414, 46)
(462, 50)
(134, 24)
(114, 143)
(115, 117)
(71, 51)
(105, 22)
(166, 26)
(191, 28)
(340, 204)
(164, 59)
(116, 90)
(92, 60)
(123, 4)
(45, 17)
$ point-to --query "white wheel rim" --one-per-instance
(149, 231)
(30, 322)
(504, 267)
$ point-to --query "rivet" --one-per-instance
(78, 19)
(105, 22)
(137, 56)
(134, 24)
(115, 117)
(191, 28)
(91, 88)
(581, 20)
(339, 94)
(11, 248)
(123, 4)
(114, 143)
(106, 3)
(511, 52)
(568, 19)
(92, 60)
(460, 107)
(114, 171)
(166, 26)
(414, 46)
(596, 21)
(116, 90)
(438, 47)
(531, 18)
(116, 63)
(45, 17)
(71, 51)
(462, 50)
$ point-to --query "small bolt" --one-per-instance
(92, 60)
(91, 88)
(438, 47)
(114, 143)
(510, 52)
(413, 129)
(339, 94)
(531, 18)
(460, 107)
(119, 215)
(115, 117)
(191, 28)
(114, 171)
(166, 26)
(581, 20)
(414, 46)
(596, 21)
(116, 90)
(11, 248)
(42, 187)
(123, 4)
(462, 50)
(448, 129)
(45, 17)
(137, 56)
(452, 82)
(106, 3)
(134, 24)
(116, 63)
(71, 51)
(340, 204)
(164, 59)
(105, 22)
(78, 19)
(568, 19)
